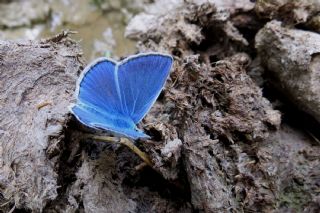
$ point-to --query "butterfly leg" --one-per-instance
(135, 149)
(123, 141)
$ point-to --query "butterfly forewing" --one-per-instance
(98, 87)
(141, 80)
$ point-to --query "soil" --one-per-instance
(236, 128)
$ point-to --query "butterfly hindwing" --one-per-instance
(115, 123)
(141, 79)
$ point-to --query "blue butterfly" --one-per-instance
(115, 96)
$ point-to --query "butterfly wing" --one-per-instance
(115, 123)
(115, 96)
(97, 86)
(141, 79)
(98, 101)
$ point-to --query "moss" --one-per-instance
(294, 197)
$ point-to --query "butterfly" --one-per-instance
(115, 96)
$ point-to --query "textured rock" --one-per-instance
(293, 57)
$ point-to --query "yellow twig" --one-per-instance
(103, 138)
(123, 141)
(136, 150)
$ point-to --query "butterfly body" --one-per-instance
(115, 96)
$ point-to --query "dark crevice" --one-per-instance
(213, 59)
(212, 36)
(208, 130)
(156, 183)
(67, 165)
(176, 193)
(22, 211)
(154, 134)
(248, 25)
(291, 114)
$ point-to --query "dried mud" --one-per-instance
(224, 139)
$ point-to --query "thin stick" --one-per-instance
(103, 138)
(136, 150)
(123, 141)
